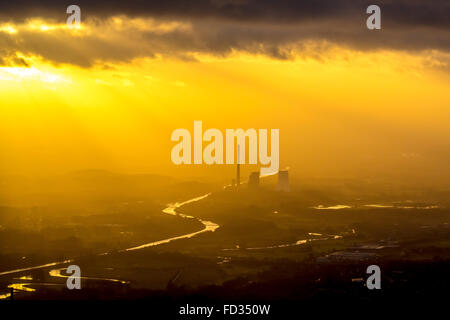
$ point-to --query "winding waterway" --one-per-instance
(171, 209)
(208, 226)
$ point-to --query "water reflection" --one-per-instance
(336, 207)
(285, 245)
(58, 274)
(171, 209)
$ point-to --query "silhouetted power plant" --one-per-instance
(283, 181)
(253, 180)
(238, 170)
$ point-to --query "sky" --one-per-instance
(349, 102)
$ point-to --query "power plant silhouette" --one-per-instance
(283, 181)
(254, 178)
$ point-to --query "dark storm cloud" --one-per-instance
(270, 27)
(433, 13)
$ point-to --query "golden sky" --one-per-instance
(108, 96)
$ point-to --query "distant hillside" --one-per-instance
(96, 186)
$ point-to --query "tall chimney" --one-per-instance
(238, 171)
